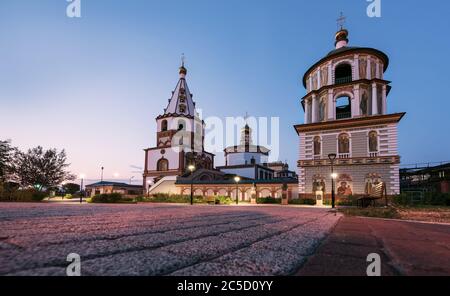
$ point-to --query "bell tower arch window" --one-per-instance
(164, 125)
(343, 107)
(343, 74)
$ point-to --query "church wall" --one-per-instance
(359, 144)
(329, 145)
(170, 154)
(358, 175)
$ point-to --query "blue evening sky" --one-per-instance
(94, 85)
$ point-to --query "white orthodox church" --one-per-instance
(346, 114)
(180, 144)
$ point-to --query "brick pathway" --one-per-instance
(405, 248)
(157, 239)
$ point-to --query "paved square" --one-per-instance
(159, 239)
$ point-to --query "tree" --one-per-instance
(71, 188)
(6, 154)
(41, 168)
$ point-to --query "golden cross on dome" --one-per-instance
(341, 21)
(246, 116)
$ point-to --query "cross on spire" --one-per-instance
(183, 59)
(341, 21)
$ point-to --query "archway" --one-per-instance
(343, 107)
(343, 74)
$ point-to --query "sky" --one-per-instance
(94, 85)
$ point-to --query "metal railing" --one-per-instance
(343, 115)
(342, 80)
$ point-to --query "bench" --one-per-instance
(377, 192)
(211, 200)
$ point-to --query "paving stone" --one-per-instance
(154, 239)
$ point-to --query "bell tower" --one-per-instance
(179, 137)
(345, 113)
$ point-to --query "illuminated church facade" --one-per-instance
(180, 145)
(346, 114)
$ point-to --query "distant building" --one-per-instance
(426, 178)
(106, 187)
(346, 114)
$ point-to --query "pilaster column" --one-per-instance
(330, 73)
(310, 83)
(377, 70)
(369, 72)
(314, 109)
(356, 102)
(374, 99)
(356, 67)
(319, 82)
(307, 111)
(384, 101)
(330, 104)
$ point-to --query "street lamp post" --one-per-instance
(332, 158)
(102, 174)
(192, 169)
(237, 179)
(81, 188)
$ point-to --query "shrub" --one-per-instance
(224, 200)
(303, 201)
(25, 195)
(107, 198)
(268, 200)
(172, 198)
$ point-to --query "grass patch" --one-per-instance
(387, 213)
(177, 198)
(427, 213)
(422, 213)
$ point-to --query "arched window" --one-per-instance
(373, 142)
(317, 146)
(343, 107)
(343, 74)
(181, 125)
(163, 165)
(253, 161)
(164, 125)
(344, 145)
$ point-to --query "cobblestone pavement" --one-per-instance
(159, 239)
(405, 248)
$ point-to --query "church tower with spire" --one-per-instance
(346, 116)
(179, 138)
